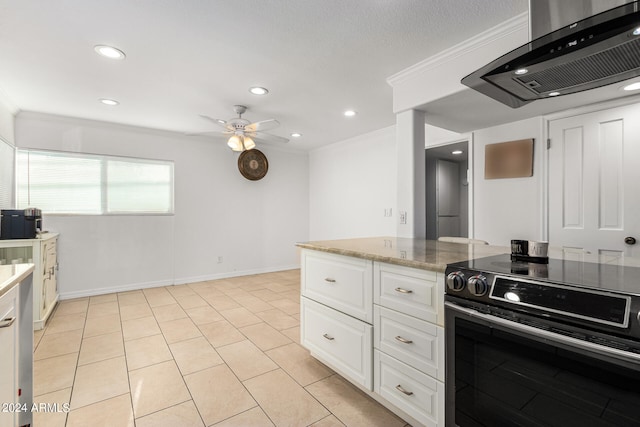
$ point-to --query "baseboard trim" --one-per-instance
(230, 274)
(177, 281)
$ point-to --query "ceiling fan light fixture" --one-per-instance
(109, 52)
(241, 143)
(235, 143)
(249, 143)
(257, 90)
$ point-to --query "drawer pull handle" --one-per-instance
(330, 338)
(399, 388)
(404, 291)
(403, 340)
(330, 280)
(7, 322)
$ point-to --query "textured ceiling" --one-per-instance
(191, 57)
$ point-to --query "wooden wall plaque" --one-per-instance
(513, 159)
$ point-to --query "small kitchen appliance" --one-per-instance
(20, 224)
(534, 344)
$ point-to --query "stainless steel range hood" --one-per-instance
(577, 46)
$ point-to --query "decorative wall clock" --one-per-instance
(253, 164)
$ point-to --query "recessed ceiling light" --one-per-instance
(456, 152)
(222, 122)
(632, 86)
(109, 52)
(111, 102)
(296, 135)
(554, 93)
(350, 113)
(257, 90)
(521, 71)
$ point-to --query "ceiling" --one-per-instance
(191, 57)
(445, 152)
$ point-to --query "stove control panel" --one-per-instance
(478, 285)
(456, 281)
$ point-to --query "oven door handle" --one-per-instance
(540, 333)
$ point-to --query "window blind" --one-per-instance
(78, 183)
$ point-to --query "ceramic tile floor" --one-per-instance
(223, 353)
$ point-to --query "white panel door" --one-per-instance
(594, 182)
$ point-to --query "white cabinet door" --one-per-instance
(417, 394)
(341, 341)
(415, 342)
(594, 170)
(8, 357)
(418, 293)
(341, 282)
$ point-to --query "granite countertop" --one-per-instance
(12, 274)
(418, 253)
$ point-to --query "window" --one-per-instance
(75, 183)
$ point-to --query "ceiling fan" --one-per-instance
(242, 133)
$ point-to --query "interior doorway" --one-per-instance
(447, 190)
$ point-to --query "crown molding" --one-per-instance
(502, 30)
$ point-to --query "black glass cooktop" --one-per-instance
(585, 274)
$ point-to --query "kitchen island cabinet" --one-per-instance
(373, 310)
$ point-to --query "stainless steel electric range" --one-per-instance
(554, 344)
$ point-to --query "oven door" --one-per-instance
(503, 373)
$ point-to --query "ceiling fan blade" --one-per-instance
(210, 133)
(219, 122)
(262, 125)
(267, 137)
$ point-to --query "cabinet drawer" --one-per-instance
(415, 342)
(419, 293)
(417, 394)
(341, 341)
(341, 282)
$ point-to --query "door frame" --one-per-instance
(546, 123)
(468, 138)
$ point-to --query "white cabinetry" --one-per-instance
(337, 312)
(409, 340)
(380, 326)
(344, 342)
(9, 346)
(43, 254)
(340, 282)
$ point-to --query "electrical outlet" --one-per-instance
(403, 217)
(220, 259)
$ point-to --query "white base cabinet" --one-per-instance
(43, 253)
(416, 393)
(9, 346)
(343, 342)
(16, 345)
(412, 341)
(380, 326)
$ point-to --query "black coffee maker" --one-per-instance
(20, 224)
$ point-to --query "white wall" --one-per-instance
(218, 213)
(508, 209)
(351, 183)
(7, 118)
